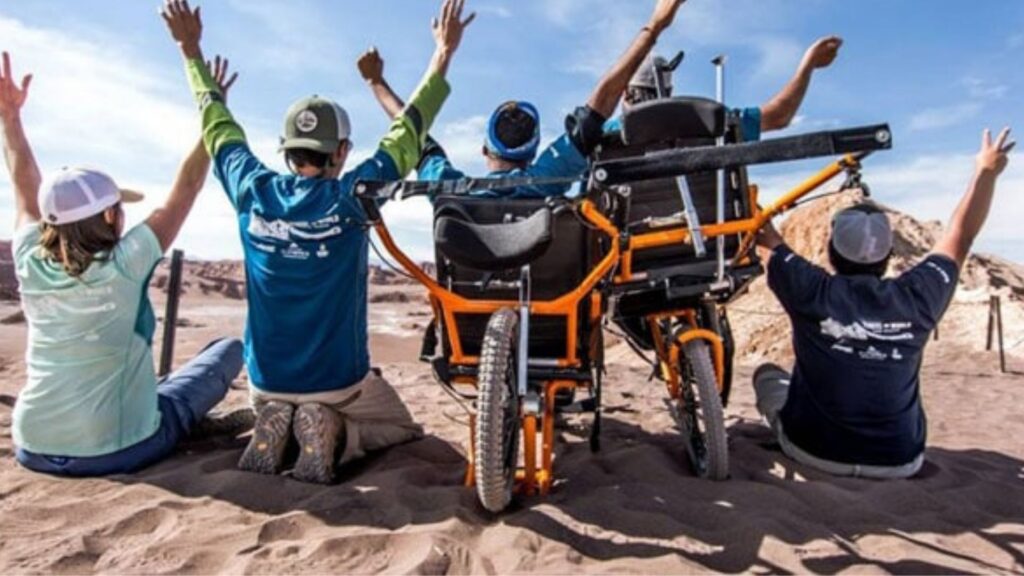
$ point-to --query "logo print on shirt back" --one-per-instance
(295, 252)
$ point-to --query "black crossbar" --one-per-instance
(663, 164)
(671, 163)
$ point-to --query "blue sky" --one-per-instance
(109, 90)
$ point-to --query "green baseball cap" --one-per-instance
(315, 123)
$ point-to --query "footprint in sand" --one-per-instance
(291, 528)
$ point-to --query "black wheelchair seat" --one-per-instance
(494, 247)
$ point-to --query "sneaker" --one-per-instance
(265, 453)
(317, 429)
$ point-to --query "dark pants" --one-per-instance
(771, 387)
(183, 399)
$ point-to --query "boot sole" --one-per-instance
(316, 430)
(265, 452)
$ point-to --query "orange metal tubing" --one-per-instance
(718, 350)
(529, 455)
(471, 464)
(548, 431)
(566, 305)
(748, 227)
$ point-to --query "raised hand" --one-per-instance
(371, 66)
(664, 14)
(220, 75)
(185, 25)
(993, 157)
(12, 98)
(449, 26)
(822, 53)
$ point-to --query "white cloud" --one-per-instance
(291, 25)
(704, 24)
(778, 55)
(978, 92)
(981, 89)
(94, 103)
(499, 11)
(944, 116)
(463, 141)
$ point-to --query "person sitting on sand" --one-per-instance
(852, 406)
(513, 132)
(776, 114)
(305, 244)
(92, 404)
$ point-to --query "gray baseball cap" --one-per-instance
(315, 123)
(862, 234)
(644, 76)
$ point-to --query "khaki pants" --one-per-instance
(373, 415)
(771, 387)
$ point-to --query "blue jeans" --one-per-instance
(183, 398)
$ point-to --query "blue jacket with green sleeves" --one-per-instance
(305, 246)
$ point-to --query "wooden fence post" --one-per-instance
(171, 313)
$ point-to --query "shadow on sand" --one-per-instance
(638, 499)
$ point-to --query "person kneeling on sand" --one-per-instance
(92, 405)
(305, 244)
(852, 406)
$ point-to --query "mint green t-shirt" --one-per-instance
(91, 386)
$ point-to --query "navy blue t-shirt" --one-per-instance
(859, 340)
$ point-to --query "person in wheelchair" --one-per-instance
(776, 114)
(513, 133)
(852, 405)
(305, 245)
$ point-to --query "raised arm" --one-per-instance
(186, 27)
(405, 139)
(167, 220)
(17, 152)
(782, 108)
(971, 213)
(609, 90)
(371, 68)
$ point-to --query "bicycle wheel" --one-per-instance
(702, 418)
(497, 419)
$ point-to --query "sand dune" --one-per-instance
(634, 507)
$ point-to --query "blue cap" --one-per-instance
(526, 151)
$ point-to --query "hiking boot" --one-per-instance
(317, 429)
(229, 424)
(265, 453)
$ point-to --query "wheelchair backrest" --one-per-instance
(558, 271)
(675, 123)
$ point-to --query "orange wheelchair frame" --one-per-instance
(613, 269)
(536, 474)
(672, 330)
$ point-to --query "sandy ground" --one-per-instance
(634, 507)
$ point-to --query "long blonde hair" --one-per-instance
(77, 245)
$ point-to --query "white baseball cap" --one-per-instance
(75, 194)
(862, 234)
